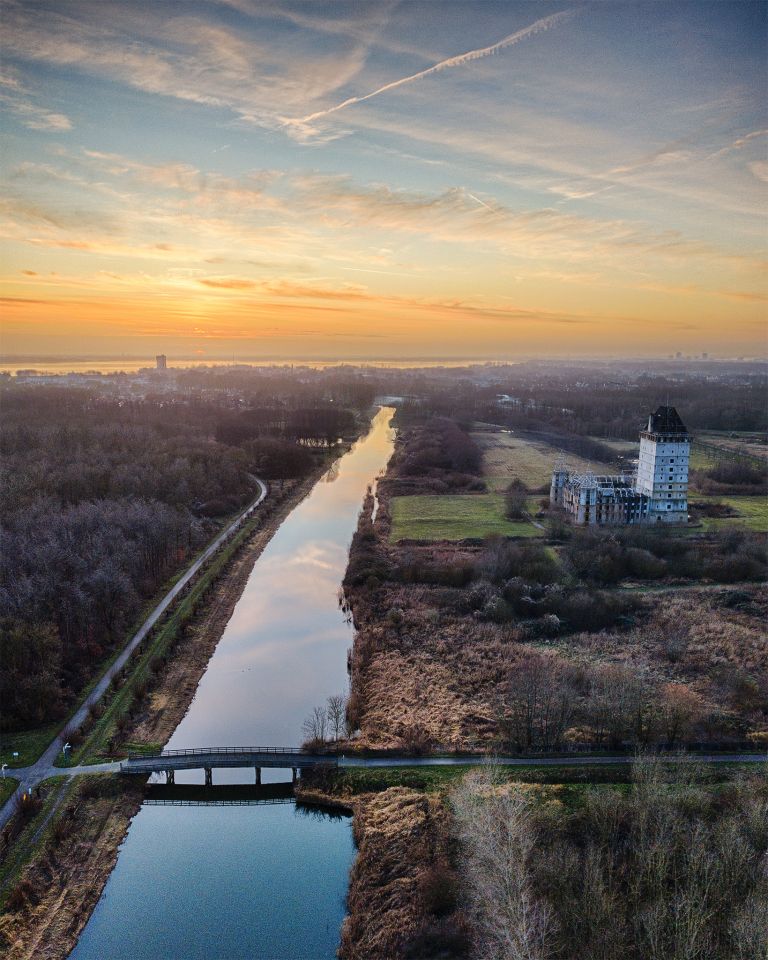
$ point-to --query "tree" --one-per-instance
(538, 702)
(515, 500)
(497, 842)
(680, 708)
(316, 725)
(336, 710)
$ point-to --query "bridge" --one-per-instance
(211, 758)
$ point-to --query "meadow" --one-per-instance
(506, 456)
(456, 517)
(752, 513)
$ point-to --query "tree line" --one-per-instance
(102, 499)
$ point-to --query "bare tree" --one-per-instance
(316, 725)
(336, 710)
(497, 841)
(539, 702)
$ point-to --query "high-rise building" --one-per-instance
(161, 361)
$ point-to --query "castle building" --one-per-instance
(658, 493)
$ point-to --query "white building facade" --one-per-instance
(662, 471)
(658, 494)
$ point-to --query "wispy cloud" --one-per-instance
(545, 23)
(18, 99)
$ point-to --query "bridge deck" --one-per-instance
(219, 757)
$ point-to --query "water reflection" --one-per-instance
(244, 880)
(284, 650)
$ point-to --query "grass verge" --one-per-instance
(29, 744)
(349, 782)
(455, 518)
(33, 833)
(7, 786)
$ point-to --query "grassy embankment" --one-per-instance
(34, 830)
(432, 779)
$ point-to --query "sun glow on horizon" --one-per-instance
(507, 189)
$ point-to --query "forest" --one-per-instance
(104, 498)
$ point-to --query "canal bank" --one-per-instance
(69, 875)
(244, 881)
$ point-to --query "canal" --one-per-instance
(253, 881)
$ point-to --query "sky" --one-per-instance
(383, 179)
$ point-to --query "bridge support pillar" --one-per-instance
(170, 776)
(295, 774)
(209, 776)
(258, 776)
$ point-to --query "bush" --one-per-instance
(437, 888)
(515, 500)
(502, 559)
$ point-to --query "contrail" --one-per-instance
(481, 202)
(544, 24)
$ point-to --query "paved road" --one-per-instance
(43, 768)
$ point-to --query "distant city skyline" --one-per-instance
(383, 180)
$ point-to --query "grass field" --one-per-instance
(750, 443)
(28, 744)
(752, 512)
(455, 518)
(7, 786)
(627, 448)
(506, 456)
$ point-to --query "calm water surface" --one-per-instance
(253, 881)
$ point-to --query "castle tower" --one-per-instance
(662, 472)
(559, 479)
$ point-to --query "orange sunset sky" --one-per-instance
(383, 180)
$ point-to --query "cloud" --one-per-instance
(162, 50)
(18, 99)
(228, 283)
(738, 143)
(760, 169)
(545, 23)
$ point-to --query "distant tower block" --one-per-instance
(161, 361)
(662, 472)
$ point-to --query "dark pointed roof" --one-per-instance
(666, 420)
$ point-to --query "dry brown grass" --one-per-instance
(426, 675)
(66, 879)
(397, 904)
(506, 456)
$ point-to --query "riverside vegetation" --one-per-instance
(469, 644)
(60, 847)
(619, 639)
